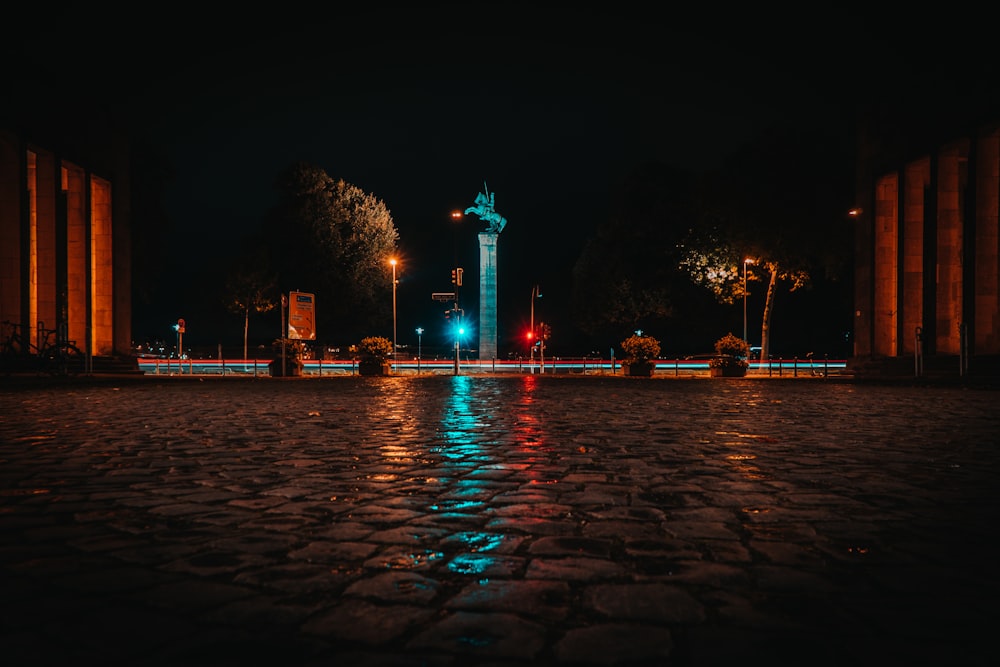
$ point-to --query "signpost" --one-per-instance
(302, 316)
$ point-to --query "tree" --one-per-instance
(331, 238)
(250, 286)
(778, 202)
(627, 275)
(717, 265)
(713, 263)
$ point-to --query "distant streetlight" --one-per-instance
(745, 262)
(535, 294)
(393, 262)
(420, 332)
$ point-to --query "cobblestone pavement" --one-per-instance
(497, 521)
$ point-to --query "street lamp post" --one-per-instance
(393, 262)
(457, 280)
(456, 216)
(745, 262)
(420, 332)
(535, 294)
(284, 335)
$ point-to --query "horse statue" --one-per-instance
(485, 209)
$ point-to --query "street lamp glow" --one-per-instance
(393, 262)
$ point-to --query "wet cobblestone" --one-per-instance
(490, 521)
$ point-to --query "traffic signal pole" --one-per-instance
(457, 329)
(454, 314)
(535, 294)
(456, 279)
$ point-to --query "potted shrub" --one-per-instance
(373, 356)
(640, 355)
(291, 364)
(730, 358)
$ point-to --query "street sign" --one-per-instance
(301, 316)
(443, 296)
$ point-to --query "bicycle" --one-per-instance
(59, 355)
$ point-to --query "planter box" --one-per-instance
(729, 372)
(374, 367)
(293, 368)
(639, 368)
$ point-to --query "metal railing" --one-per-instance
(775, 367)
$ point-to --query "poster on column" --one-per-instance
(301, 316)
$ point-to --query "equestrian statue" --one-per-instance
(485, 209)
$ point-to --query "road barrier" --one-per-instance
(793, 367)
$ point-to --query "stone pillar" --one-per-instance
(488, 295)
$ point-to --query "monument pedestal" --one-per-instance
(488, 295)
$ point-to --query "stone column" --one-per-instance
(488, 295)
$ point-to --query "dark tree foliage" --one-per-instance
(783, 202)
(330, 238)
(669, 259)
(786, 196)
(628, 276)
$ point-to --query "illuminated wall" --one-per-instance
(59, 252)
(886, 248)
(74, 314)
(916, 184)
(101, 271)
(951, 187)
(43, 251)
(929, 259)
(987, 242)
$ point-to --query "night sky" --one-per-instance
(419, 106)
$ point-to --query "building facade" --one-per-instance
(65, 255)
(927, 276)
